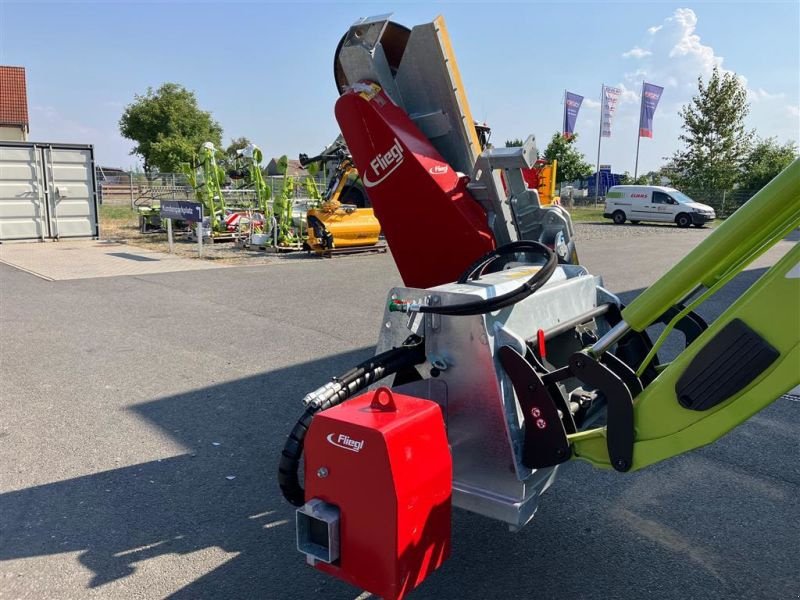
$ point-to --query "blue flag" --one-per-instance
(572, 104)
(651, 94)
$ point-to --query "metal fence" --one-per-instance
(134, 189)
(140, 189)
(724, 202)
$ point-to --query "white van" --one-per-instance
(636, 203)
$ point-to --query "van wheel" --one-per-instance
(619, 217)
(683, 220)
(635, 222)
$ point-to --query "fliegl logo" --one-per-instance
(384, 164)
(345, 441)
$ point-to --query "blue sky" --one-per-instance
(265, 69)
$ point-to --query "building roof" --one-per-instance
(13, 97)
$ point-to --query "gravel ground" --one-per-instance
(227, 252)
(608, 230)
(231, 253)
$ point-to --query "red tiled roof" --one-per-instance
(13, 97)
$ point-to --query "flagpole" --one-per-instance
(564, 114)
(638, 134)
(599, 137)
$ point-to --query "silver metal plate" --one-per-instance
(484, 422)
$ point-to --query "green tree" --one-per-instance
(765, 160)
(572, 163)
(514, 143)
(714, 135)
(649, 178)
(236, 144)
(167, 126)
(228, 157)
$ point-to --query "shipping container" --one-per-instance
(47, 191)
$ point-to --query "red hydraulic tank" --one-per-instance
(383, 460)
(433, 225)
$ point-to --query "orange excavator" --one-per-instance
(343, 221)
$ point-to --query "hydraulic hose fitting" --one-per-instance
(322, 393)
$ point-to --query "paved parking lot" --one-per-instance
(141, 419)
(82, 259)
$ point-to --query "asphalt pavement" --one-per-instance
(141, 419)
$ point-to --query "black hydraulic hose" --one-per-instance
(480, 307)
(335, 152)
(305, 160)
(411, 353)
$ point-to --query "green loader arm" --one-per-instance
(744, 361)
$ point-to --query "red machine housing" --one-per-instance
(531, 176)
(382, 458)
(432, 224)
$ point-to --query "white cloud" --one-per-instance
(636, 52)
(628, 95)
(793, 110)
(589, 103)
(684, 20)
(636, 76)
(676, 55)
(762, 94)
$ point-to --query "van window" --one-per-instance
(681, 197)
(662, 198)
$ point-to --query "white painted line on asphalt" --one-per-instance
(276, 523)
(140, 548)
(259, 515)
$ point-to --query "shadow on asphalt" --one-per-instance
(714, 523)
(185, 503)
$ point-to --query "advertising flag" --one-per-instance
(572, 104)
(651, 94)
(610, 97)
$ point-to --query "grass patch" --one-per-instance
(118, 221)
(587, 214)
(110, 212)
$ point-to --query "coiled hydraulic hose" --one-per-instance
(483, 306)
(411, 353)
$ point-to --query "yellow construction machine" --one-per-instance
(343, 221)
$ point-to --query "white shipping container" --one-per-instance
(47, 191)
